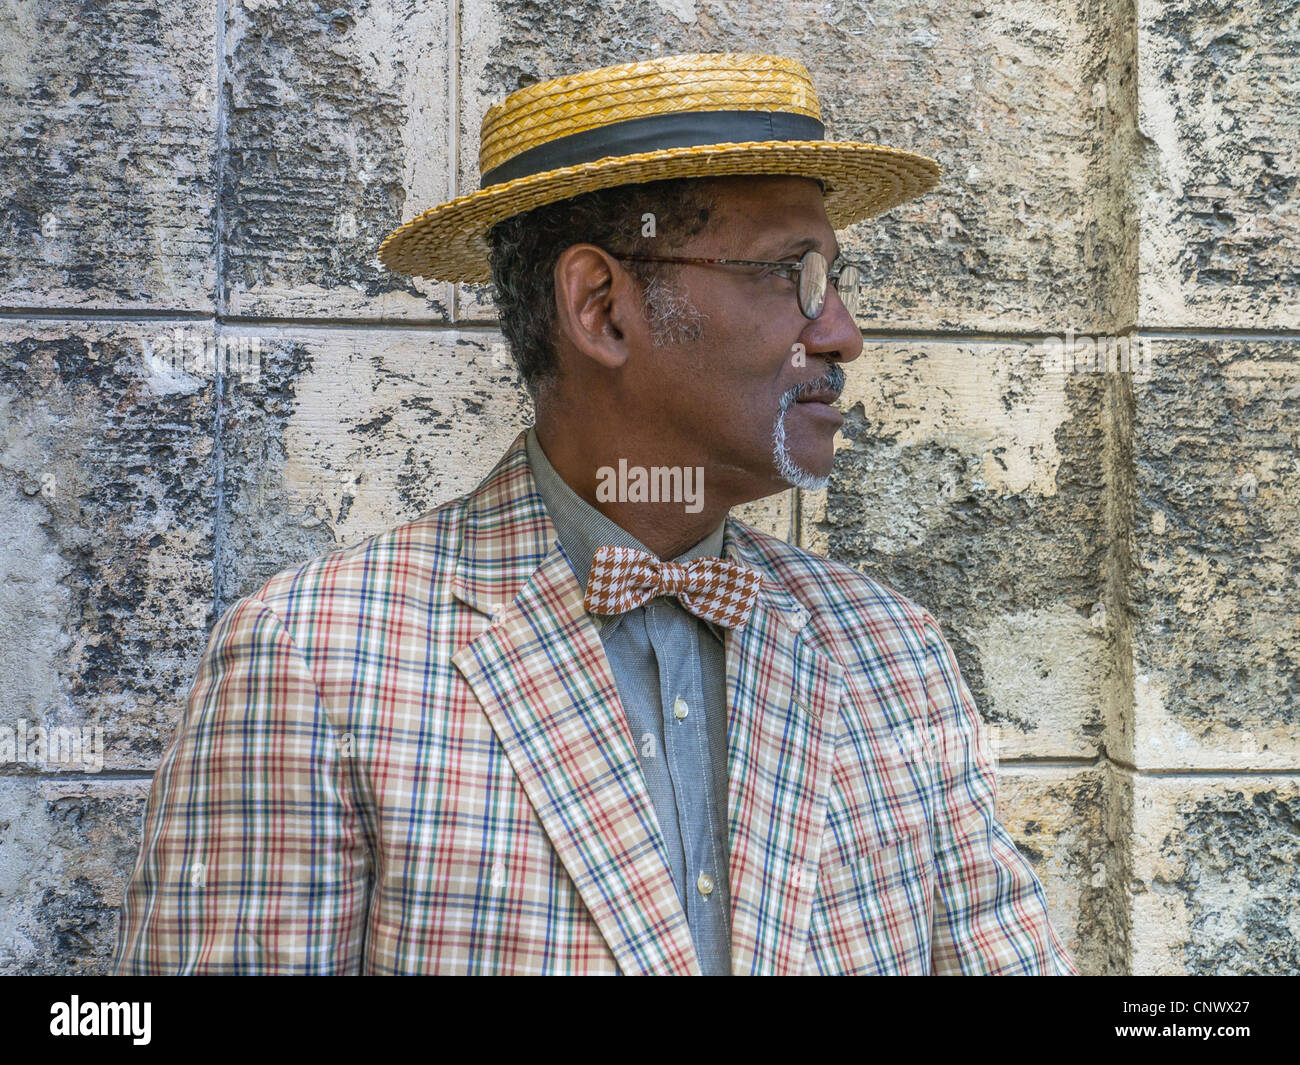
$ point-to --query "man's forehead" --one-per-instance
(774, 215)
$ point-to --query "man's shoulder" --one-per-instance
(837, 595)
(414, 556)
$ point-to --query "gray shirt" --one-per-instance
(670, 670)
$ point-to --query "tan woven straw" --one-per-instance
(674, 117)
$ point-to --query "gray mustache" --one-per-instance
(833, 379)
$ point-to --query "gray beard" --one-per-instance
(786, 468)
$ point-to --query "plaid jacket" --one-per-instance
(409, 756)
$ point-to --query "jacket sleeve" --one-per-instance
(253, 858)
(990, 910)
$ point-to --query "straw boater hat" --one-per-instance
(675, 117)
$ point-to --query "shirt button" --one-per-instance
(680, 709)
(705, 885)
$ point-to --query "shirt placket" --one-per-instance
(705, 892)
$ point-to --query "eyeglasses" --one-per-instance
(811, 270)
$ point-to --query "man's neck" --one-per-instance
(614, 484)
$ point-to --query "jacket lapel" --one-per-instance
(783, 697)
(540, 672)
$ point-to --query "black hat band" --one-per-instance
(651, 133)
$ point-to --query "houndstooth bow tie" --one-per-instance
(716, 589)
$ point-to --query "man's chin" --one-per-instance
(801, 455)
(802, 470)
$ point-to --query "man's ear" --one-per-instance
(597, 305)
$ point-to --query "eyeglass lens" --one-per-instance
(812, 285)
(848, 288)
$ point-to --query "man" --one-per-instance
(582, 720)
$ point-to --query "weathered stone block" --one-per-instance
(67, 849)
(108, 501)
(1220, 202)
(338, 129)
(108, 154)
(1216, 875)
(349, 432)
(773, 514)
(1217, 545)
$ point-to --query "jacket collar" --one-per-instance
(505, 534)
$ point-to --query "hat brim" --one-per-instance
(449, 242)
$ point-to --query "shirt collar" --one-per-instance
(582, 529)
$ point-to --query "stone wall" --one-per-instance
(1113, 555)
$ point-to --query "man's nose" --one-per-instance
(833, 334)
